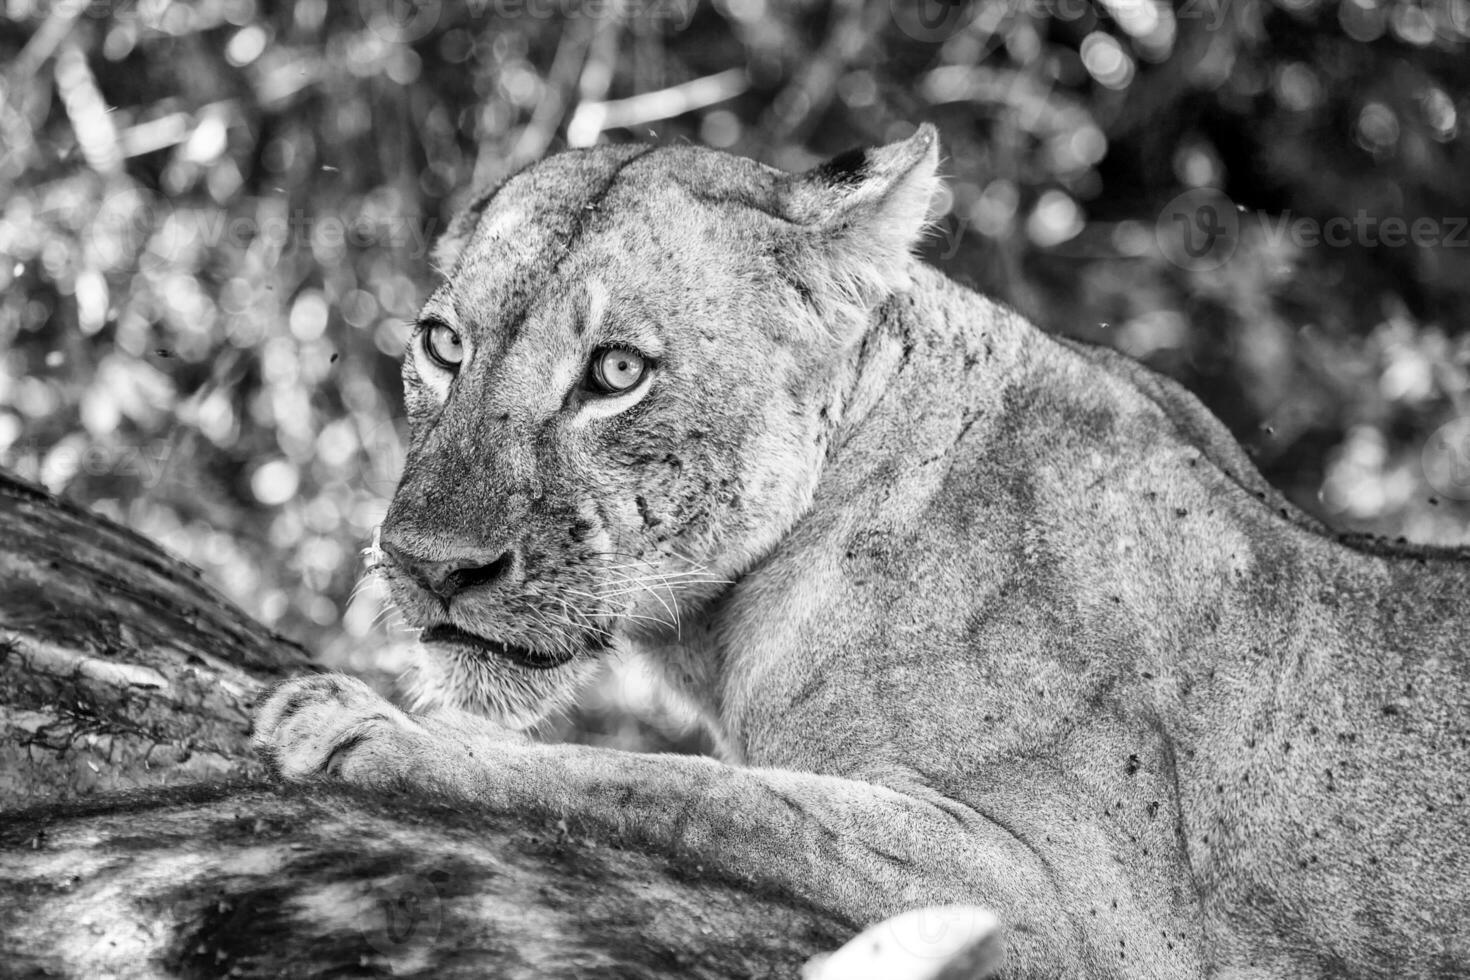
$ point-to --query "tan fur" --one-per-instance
(987, 617)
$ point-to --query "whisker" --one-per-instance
(632, 585)
(643, 618)
(569, 612)
(645, 562)
(678, 577)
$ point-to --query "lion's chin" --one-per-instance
(464, 675)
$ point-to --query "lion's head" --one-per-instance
(620, 398)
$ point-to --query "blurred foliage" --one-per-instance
(215, 217)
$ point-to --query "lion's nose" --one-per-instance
(448, 578)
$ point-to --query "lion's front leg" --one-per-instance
(860, 850)
(332, 725)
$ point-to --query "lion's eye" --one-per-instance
(443, 346)
(616, 369)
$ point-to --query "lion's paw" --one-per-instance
(334, 725)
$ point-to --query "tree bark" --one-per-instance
(119, 666)
(139, 837)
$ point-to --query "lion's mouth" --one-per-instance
(518, 655)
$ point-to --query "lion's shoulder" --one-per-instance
(1191, 422)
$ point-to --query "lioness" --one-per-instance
(980, 615)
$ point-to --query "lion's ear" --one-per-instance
(860, 214)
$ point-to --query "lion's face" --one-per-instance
(618, 400)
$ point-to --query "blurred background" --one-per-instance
(215, 220)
